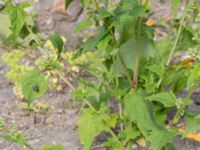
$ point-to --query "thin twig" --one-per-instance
(181, 26)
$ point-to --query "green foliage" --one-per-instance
(160, 138)
(17, 17)
(52, 147)
(194, 77)
(34, 85)
(123, 43)
(175, 5)
(57, 42)
(168, 99)
(137, 110)
(67, 3)
(8, 133)
(129, 79)
(83, 25)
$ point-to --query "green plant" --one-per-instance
(131, 80)
(10, 134)
(125, 67)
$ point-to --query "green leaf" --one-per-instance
(67, 3)
(83, 25)
(129, 50)
(90, 125)
(160, 138)
(175, 4)
(168, 99)
(34, 85)
(157, 69)
(52, 147)
(186, 40)
(86, 3)
(104, 45)
(91, 44)
(129, 133)
(104, 14)
(169, 146)
(194, 76)
(137, 110)
(192, 122)
(17, 17)
(4, 26)
(57, 42)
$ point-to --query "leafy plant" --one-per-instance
(12, 135)
(126, 69)
(131, 80)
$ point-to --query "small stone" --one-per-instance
(134, 147)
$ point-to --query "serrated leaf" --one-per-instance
(34, 85)
(129, 133)
(137, 110)
(160, 138)
(52, 147)
(90, 125)
(57, 42)
(168, 99)
(192, 122)
(17, 17)
(157, 69)
(83, 25)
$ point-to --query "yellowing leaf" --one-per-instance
(149, 22)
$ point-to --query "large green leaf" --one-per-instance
(90, 125)
(160, 138)
(34, 85)
(137, 110)
(129, 50)
(168, 99)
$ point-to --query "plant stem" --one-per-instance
(116, 139)
(29, 147)
(124, 66)
(126, 73)
(137, 58)
(89, 104)
(120, 115)
(96, 5)
(109, 129)
(181, 26)
(65, 80)
(176, 40)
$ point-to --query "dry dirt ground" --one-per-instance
(57, 126)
